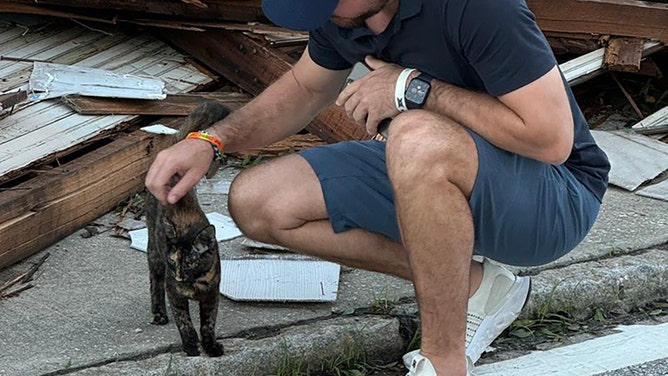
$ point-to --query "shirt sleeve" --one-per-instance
(501, 40)
(323, 52)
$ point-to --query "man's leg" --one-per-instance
(281, 202)
(432, 164)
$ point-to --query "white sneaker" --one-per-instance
(421, 366)
(497, 303)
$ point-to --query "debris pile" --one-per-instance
(69, 159)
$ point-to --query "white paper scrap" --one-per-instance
(139, 239)
(279, 280)
(159, 129)
(226, 229)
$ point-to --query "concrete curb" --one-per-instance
(620, 284)
(378, 337)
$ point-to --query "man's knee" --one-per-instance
(246, 202)
(422, 145)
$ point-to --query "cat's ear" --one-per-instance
(170, 230)
(206, 239)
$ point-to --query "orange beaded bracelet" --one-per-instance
(216, 144)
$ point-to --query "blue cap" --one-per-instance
(300, 15)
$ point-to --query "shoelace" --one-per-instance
(473, 322)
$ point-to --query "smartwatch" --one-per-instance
(417, 91)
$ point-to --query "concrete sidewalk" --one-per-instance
(88, 312)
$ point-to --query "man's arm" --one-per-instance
(283, 109)
(534, 121)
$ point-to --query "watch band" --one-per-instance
(426, 77)
(400, 89)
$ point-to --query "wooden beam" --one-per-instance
(43, 210)
(230, 10)
(254, 66)
(572, 43)
(587, 66)
(11, 99)
(623, 54)
(173, 105)
(640, 19)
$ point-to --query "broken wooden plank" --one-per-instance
(623, 54)
(572, 43)
(587, 66)
(253, 66)
(43, 210)
(33, 269)
(172, 105)
(230, 10)
(38, 132)
(12, 99)
(289, 145)
(653, 124)
(640, 19)
(28, 8)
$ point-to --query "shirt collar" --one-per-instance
(407, 9)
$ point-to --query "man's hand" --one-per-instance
(188, 159)
(370, 99)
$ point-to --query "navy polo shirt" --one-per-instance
(491, 46)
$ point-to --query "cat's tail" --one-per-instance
(205, 115)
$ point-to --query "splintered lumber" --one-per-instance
(11, 99)
(291, 144)
(640, 19)
(33, 269)
(231, 10)
(623, 54)
(253, 66)
(655, 123)
(590, 65)
(28, 8)
(173, 105)
(43, 210)
(572, 43)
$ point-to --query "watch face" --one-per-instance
(417, 91)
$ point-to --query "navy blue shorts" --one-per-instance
(525, 212)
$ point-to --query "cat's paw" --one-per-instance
(191, 350)
(214, 349)
(159, 319)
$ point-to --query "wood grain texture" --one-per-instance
(43, 210)
(640, 19)
(254, 66)
(623, 54)
(173, 105)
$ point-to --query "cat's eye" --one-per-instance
(200, 248)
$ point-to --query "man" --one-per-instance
(487, 154)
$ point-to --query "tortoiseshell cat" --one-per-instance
(183, 255)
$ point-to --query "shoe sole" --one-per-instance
(487, 332)
(495, 323)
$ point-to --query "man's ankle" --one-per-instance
(475, 279)
(454, 365)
